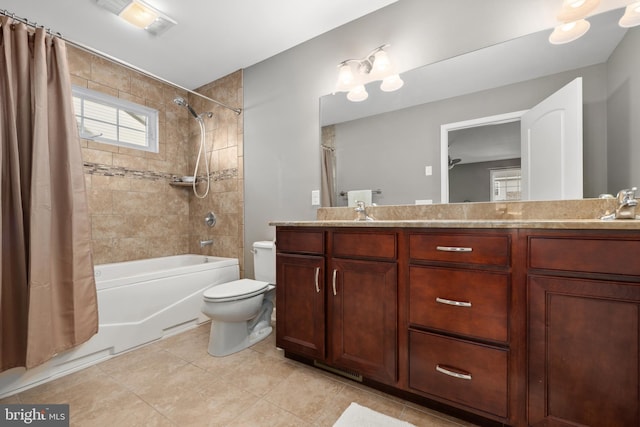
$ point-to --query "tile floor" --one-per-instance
(174, 382)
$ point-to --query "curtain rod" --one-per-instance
(116, 60)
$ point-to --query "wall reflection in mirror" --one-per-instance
(393, 140)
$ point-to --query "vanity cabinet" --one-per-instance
(362, 303)
(346, 319)
(584, 328)
(459, 304)
(300, 292)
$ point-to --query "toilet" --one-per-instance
(240, 310)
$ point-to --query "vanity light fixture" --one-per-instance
(353, 74)
(573, 23)
(140, 14)
(569, 32)
(631, 16)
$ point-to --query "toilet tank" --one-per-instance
(264, 261)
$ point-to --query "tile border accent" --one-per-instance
(124, 172)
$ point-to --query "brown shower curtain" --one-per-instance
(47, 289)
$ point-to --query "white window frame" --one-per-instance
(151, 115)
(511, 177)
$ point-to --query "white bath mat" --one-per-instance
(360, 416)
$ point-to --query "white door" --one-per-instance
(552, 146)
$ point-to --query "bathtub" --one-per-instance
(138, 302)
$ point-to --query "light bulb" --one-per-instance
(574, 10)
(139, 14)
(569, 32)
(631, 16)
(381, 63)
(346, 79)
(358, 94)
(391, 83)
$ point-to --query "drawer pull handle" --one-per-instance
(453, 249)
(317, 274)
(335, 272)
(452, 302)
(453, 374)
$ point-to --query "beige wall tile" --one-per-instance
(97, 156)
(140, 217)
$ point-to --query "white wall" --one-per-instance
(281, 94)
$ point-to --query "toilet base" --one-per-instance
(227, 338)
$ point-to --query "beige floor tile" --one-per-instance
(305, 394)
(260, 374)
(425, 419)
(189, 346)
(349, 394)
(265, 414)
(175, 382)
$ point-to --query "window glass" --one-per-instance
(115, 121)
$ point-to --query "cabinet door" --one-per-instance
(583, 352)
(362, 302)
(300, 320)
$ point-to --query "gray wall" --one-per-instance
(281, 94)
(471, 182)
(624, 115)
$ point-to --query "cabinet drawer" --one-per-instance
(378, 245)
(460, 248)
(590, 255)
(468, 302)
(306, 241)
(459, 371)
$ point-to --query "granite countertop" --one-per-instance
(563, 214)
(588, 224)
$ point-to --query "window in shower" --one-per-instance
(115, 121)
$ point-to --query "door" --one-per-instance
(583, 352)
(300, 321)
(362, 305)
(552, 146)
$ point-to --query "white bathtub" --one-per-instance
(138, 302)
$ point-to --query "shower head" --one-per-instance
(180, 101)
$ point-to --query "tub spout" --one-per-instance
(204, 243)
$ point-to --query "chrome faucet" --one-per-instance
(627, 203)
(361, 212)
(204, 243)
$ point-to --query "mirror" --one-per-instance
(391, 141)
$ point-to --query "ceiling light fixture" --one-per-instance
(574, 10)
(140, 14)
(354, 74)
(631, 16)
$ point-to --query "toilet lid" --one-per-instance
(237, 289)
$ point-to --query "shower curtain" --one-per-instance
(47, 289)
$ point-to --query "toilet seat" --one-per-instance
(236, 290)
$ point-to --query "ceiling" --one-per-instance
(213, 38)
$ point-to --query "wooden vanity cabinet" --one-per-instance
(300, 292)
(346, 318)
(584, 328)
(362, 303)
(460, 319)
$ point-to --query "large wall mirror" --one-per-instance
(392, 143)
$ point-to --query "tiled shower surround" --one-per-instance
(135, 212)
